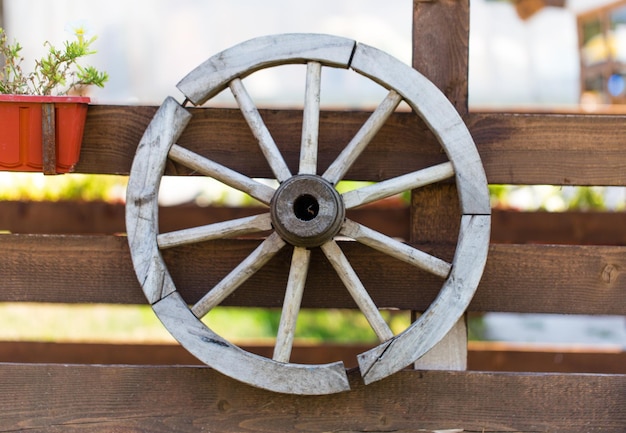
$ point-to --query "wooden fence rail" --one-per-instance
(481, 356)
(518, 278)
(507, 226)
(165, 399)
(515, 148)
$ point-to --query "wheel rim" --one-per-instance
(306, 212)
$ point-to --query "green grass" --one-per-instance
(133, 324)
(338, 326)
(94, 323)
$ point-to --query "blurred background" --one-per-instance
(522, 53)
(525, 55)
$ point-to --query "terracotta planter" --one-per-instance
(41, 133)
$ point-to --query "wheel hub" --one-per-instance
(307, 211)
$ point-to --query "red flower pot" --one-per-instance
(23, 146)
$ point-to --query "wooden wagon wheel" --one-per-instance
(306, 211)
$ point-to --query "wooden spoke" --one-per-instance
(310, 119)
(387, 188)
(236, 227)
(396, 249)
(291, 306)
(352, 282)
(260, 131)
(255, 261)
(205, 166)
(359, 142)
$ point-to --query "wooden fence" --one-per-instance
(527, 272)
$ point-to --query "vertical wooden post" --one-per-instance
(442, 56)
(441, 46)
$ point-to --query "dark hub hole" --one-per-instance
(306, 207)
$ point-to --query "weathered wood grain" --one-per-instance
(259, 130)
(450, 353)
(514, 148)
(517, 278)
(214, 74)
(219, 230)
(444, 60)
(216, 294)
(298, 270)
(111, 136)
(54, 398)
(397, 185)
(224, 174)
(397, 249)
(541, 358)
(141, 198)
(443, 56)
(565, 149)
(359, 142)
(355, 287)
(574, 228)
(152, 273)
(310, 119)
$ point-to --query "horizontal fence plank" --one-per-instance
(481, 356)
(223, 136)
(564, 149)
(496, 356)
(74, 217)
(53, 398)
(111, 136)
(558, 149)
(573, 228)
(518, 278)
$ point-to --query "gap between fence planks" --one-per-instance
(515, 148)
(50, 398)
(518, 278)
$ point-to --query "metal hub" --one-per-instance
(307, 211)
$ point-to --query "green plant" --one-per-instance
(58, 72)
